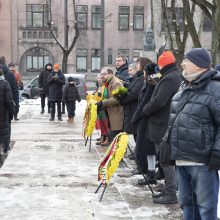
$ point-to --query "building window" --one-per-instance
(36, 15)
(135, 54)
(110, 58)
(179, 18)
(207, 24)
(37, 58)
(96, 60)
(81, 60)
(96, 17)
(138, 19)
(123, 18)
(124, 52)
(81, 13)
(24, 34)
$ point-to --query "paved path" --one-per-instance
(49, 174)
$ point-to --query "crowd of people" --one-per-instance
(52, 86)
(160, 106)
(163, 106)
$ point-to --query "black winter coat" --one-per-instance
(56, 82)
(12, 82)
(70, 93)
(142, 141)
(157, 110)
(130, 102)
(6, 110)
(122, 73)
(42, 81)
(195, 135)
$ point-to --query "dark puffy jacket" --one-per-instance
(195, 134)
(122, 73)
(6, 110)
(70, 93)
(130, 102)
(56, 82)
(157, 110)
(12, 82)
(42, 80)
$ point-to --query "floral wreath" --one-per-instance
(90, 115)
(112, 158)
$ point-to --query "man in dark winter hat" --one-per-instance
(44, 87)
(14, 88)
(6, 111)
(195, 136)
(157, 112)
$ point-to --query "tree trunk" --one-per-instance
(64, 61)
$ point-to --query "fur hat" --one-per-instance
(11, 65)
(56, 67)
(150, 68)
(200, 57)
(166, 58)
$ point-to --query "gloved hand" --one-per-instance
(214, 163)
(99, 106)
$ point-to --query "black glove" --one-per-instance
(214, 163)
(99, 106)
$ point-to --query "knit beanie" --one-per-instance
(166, 58)
(200, 57)
(56, 67)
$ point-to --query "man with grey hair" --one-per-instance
(121, 65)
(132, 69)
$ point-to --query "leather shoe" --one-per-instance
(166, 199)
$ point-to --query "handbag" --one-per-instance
(165, 147)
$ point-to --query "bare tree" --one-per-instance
(212, 10)
(66, 49)
(178, 39)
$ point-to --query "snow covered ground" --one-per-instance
(50, 174)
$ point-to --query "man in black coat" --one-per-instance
(43, 85)
(6, 111)
(157, 110)
(56, 80)
(121, 65)
(15, 91)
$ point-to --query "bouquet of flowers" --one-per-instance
(119, 92)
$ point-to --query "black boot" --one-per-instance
(60, 119)
(51, 119)
(150, 178)
(42, 111)
(16, 118)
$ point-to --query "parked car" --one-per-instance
(32, 90)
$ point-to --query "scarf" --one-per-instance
(193, 76)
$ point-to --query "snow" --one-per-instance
(50, 174)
